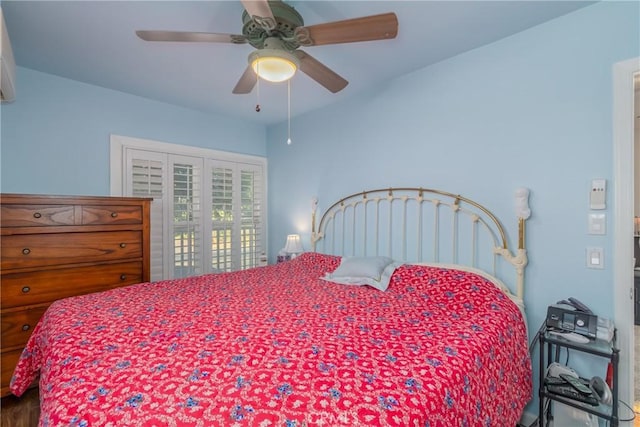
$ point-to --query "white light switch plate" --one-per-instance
(595, 258)
(597, 223)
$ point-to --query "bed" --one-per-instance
(425, 342)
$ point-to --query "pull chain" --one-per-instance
(258, 87)
(289, 112)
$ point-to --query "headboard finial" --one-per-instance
(522, 203)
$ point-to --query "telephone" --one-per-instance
(572, 316)
(557, 375)
(577, 305)
(555, 369)
(601, 390)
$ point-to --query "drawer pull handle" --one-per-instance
(26, 290)
(37, 215)
(26, 251)
(123, 277)
(114, 214)
(123, 245)
(26, 327)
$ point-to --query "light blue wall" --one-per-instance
(532, 110)
(55, 135)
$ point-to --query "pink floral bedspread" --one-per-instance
(277, 346)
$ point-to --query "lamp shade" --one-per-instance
(294, 245)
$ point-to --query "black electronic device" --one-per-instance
(570, 393)
(572, 316)
(573, 382)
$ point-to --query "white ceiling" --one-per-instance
(95, 42)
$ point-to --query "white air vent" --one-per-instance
(7, 65)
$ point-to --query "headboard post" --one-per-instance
(519, 262)
(314, 236)
(314, 208)
(523, 212)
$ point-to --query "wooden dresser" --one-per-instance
(55, 247)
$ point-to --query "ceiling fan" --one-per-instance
(277, 31)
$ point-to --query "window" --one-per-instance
(208, 211)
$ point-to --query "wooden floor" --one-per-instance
(20, 412)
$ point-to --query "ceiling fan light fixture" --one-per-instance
(274, 65)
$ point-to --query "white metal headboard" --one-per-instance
(421, 225)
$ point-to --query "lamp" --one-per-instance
(293, 245)
(274, 62)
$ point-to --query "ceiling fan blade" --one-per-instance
(247, 81)
(320, 72)
(374, 27)
(187, 36)
(260, 12)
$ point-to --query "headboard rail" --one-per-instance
(414, 224)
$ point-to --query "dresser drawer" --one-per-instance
(94, 215)
(36, 215)
(18, 325)
(21, 289)
(23, 251)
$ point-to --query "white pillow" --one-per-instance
(372, 271)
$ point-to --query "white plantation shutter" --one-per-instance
(237, 215)
(209, 208)
(187, 216)
(146, 178)
(251, 208)
(222, 218)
